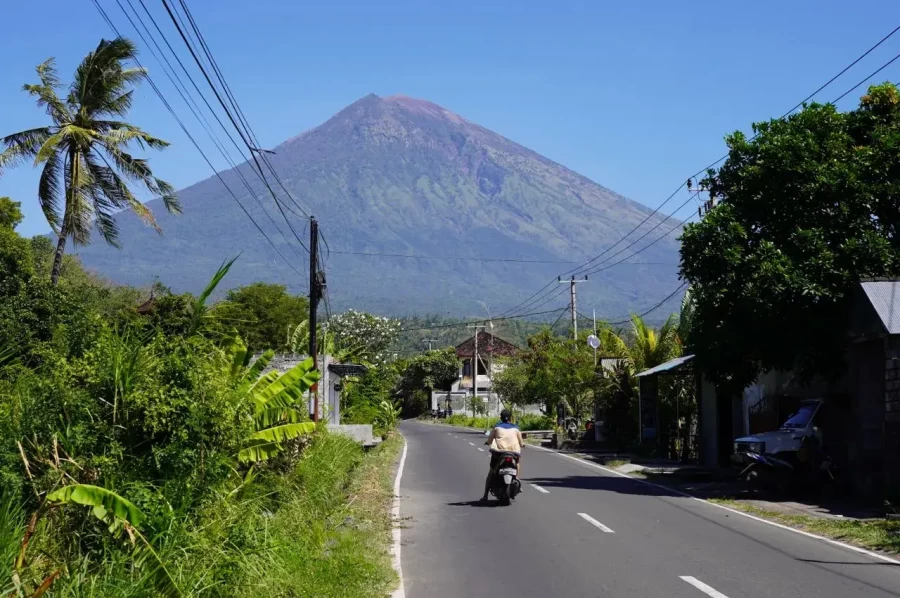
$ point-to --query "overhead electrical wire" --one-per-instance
(193, 141)
(587, 265)
(680, 288)
(469, 323)
(679, 225)
(188, 99)
(212, 61)
(231, 117)
(474, 259)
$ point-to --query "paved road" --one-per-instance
(591, 533)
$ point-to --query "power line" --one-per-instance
(236, 106)
(192, 140)
(580, 270)
(835, 101)
(164, 62)
(474, 259)
(462, 324)
(243, 134)
(881, 68)
(651, 309)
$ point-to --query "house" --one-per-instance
(491, 349)
(861, 421)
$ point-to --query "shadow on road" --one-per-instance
(881, 564)
(475, 503)
(604, 483)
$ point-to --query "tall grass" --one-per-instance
(321, 530)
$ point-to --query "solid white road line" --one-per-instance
(595, 523)
(539, 488)
(400, 592)
(703, 587)
(857, 549)
(481, 449)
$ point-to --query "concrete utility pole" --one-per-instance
(573, 302)
(314, 291)
(475, 368)
(429, 341)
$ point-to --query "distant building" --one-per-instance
(490, 349)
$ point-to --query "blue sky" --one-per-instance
(634, 95)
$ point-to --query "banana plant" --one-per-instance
(118, 512)
(277, 400)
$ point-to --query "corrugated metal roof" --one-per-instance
(884, 295)
(667, 366)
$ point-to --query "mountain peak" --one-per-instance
(404, 176)
(422, 107)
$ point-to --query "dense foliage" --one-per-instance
(806, 207)
(263, 314)
(153, 455)
(559, 374)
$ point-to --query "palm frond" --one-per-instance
(21, 146)
(200, 309)
(49, 191)
(79, 212)
(49, 148)
(102, 76)
(46, 94)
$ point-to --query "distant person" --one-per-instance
(505, 437)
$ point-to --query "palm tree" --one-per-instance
(651, 347)
(84, 152)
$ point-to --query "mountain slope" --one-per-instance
(405, 176)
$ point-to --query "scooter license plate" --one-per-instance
(508, 471)
(507, 479)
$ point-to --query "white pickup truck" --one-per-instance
(785, 441)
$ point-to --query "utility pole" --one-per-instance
(429, 341)
(314, 291)
(475, 368)
(573, 301)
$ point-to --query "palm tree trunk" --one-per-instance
(58, 258)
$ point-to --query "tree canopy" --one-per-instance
(806, 208)
(262, 313)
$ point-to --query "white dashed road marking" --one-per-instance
(703, 587)
(471, 444)
(481, 449)
(596, 524)
(540, 489)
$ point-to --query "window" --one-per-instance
(800, 418)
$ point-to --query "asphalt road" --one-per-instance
(583, 532)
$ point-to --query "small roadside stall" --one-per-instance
(673, 430)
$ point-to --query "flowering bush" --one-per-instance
(365, 336)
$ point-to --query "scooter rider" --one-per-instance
(505, 437)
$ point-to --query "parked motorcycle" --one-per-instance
(809, 468)
(505, 484)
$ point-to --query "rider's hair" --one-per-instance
(505, 416)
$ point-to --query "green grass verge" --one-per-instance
(613, 463)
(874, 534)
(333, 538)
